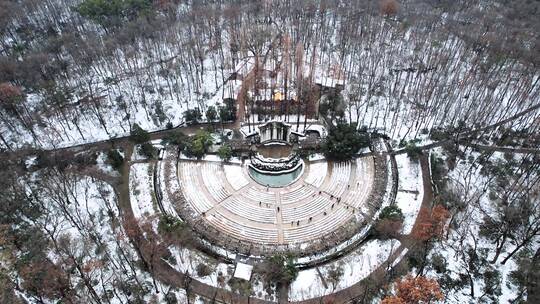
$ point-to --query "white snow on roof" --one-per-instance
(243, 271)
(319, 128)
(329, 81)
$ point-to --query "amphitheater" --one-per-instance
(328, 204)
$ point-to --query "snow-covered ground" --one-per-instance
(456, 267)
(90, 232)
(150, 82)
(151, 100)
(355, 267)
(467, 181)
(188, 260)
(141, 190)
(104, 166)
(173, 187)
(316, 157)
(410, 190)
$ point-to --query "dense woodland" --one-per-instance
(75, 71)
(462, 73)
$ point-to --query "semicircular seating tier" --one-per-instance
(222, 198)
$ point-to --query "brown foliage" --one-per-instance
(9, 92)
(431, 223)
(413, 290)
(393, 300)
(418, 290)
(5, 237)
(422, 231)
(389, 7)
(330, 299)
(45, 279)
(165, 4)
(7, 290)
(9, 95)
(92, 265)
(388, 228)
(131, 227)
(440, 215)
(153, 245)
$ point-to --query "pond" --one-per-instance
(276, 179)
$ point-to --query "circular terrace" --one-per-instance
(327, 205)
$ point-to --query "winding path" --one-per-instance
(463, 135)
(162, 270)
(357, 290)
(165, 273)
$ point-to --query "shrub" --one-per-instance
(113, 12)
(227, 112)
(343, 142)
(169, 224)
(305, 153)
(279, 269)
(240, 286)
(225, 153)
(192, 116)
(332, 106)
(392, 212)
(148, 150)
(388, 229)
(85, 159)
(10, 95)
(438, 134)
(389, 223)
(389, 7)
(138, 135)
(211, 114)
(177, 138)
(415, 290)
(334, 274)
(115, 159)
(438, 171)
(438, 262)
(203, 270)
(170, 298)
(199, 144)
(176, 232)
(413, 151)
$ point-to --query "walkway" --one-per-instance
(163, 272)
(462, 136)
(357, 290)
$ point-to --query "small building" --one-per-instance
(243, 271)
(275, 131)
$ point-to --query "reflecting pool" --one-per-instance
(276, 179)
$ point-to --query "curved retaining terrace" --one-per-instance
(318, 218)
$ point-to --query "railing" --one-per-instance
(239, 145)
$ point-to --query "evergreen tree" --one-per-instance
(343, 142)
(138, 135)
